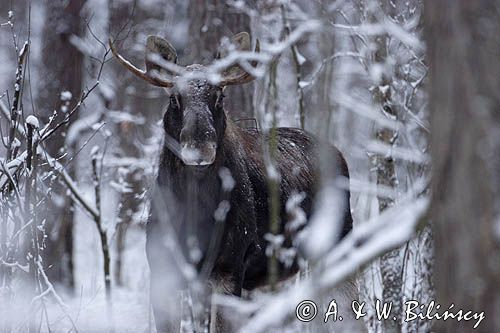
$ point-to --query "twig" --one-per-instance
(14, 112)
(14, 185)
(47, 133)
(298, 69)
(98, 221)
(50, 289)
(59, 168)
(102, 233)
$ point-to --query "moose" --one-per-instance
(210, 208)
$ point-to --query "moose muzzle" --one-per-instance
(198, 137)
(198, 154)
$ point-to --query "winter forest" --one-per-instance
(250, 166)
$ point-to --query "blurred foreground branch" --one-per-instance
(392, 228)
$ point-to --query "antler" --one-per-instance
(147, 76)
(157, 46)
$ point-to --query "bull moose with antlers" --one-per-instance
(210, 208)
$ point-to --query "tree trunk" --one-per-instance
(391, 263)
(133, 96)
(126, 139)
(464, 53)
(62, 71)
(209, 22)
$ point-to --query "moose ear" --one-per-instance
(241, 41)
(235, 74)
(156, 45)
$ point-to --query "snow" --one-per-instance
(325, 224)
(121, 187)
(80, 126)
(275, 243)
(190, 154)
(107, 90)
(222, 210)
(24, 49)
(300, 58)
(66, 95)
(376, 72)
(386, 26)
(94, 151)
(303, 84)
(16, 143)
(392, 228)
(130, 303)
(272, 172)
(293, 209)
(228, 181)
(12, 167)
(33, 121)
(354, 117)
(384, 89)
(96, 126)
(406, 154)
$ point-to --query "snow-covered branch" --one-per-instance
(383, 233)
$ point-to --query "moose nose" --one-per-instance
(198, 154)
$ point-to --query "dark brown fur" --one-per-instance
(186, 198)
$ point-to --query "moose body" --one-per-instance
(241, 260)
(210, 209)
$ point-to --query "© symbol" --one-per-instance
(306, 311)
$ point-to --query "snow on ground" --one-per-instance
(130, 303)
(86, 310)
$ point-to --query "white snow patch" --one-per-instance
(297, 216)
(300, 58)
(227, 179)
(66, 95)
(16, 143)
(384, 89)
(222, 210)
(275, 243)
(325, 224)
(94, 151)
(24, 48)
(376, 72)
(33, 121)
(303, 84)
(107, 91)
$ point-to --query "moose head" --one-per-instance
(195, 118)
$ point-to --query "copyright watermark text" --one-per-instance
(307, 311)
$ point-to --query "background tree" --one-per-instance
(136, 107)
(463, 53)
(209, 22)
(59, 91)
(132, 104)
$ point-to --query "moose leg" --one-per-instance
(165, 308)
(225, 284)
(165, 284)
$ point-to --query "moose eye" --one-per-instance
(175, 101)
